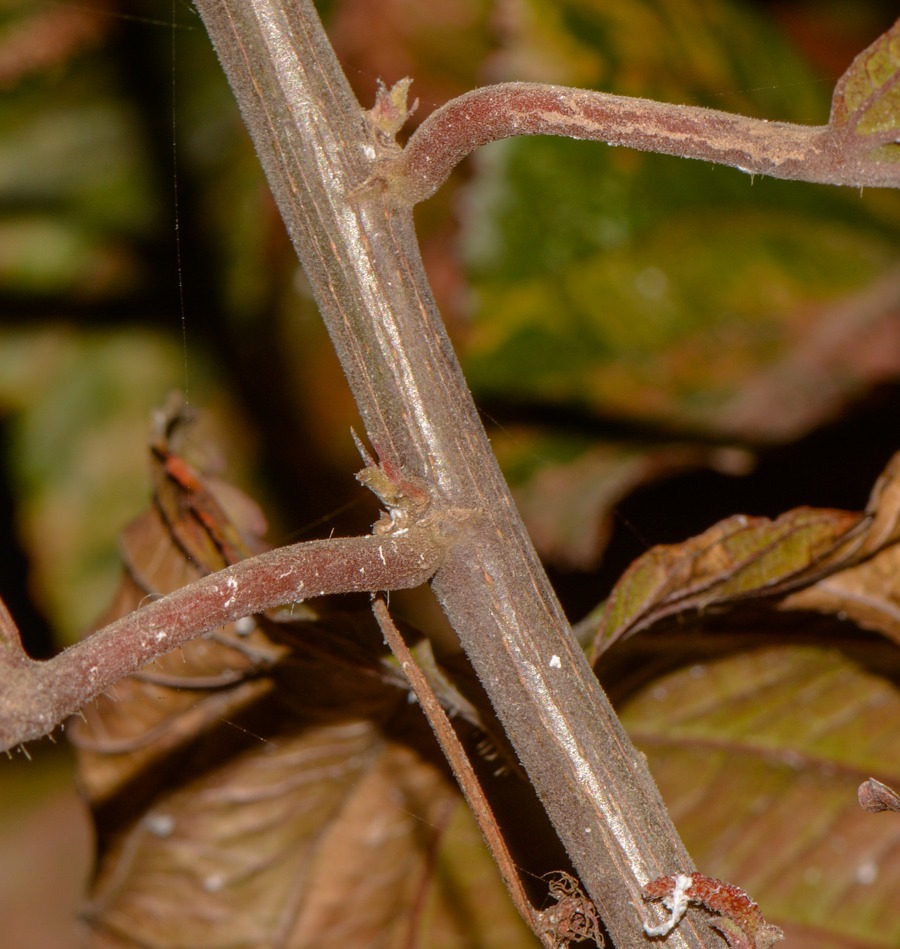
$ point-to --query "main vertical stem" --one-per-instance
(362, 260)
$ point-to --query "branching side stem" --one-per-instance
(35, 697)
(824, 153)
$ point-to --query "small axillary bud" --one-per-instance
(390, 112)
(386, 118)
(404, 497)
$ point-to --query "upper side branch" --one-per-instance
(827, 154)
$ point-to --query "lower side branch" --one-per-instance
(35, 697)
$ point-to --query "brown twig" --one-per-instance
(573, 917)
(35, 697)
(459, 762)
(824, 153)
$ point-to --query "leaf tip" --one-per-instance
(875, 796)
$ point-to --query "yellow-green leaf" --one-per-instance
(758, 757)
(743, 557)
(867, 96)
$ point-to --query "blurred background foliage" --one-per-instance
(655, 344)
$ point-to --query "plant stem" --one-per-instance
(362, 261)
(777, 149)
(35, 697)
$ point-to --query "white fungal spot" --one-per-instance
(676, 904)
(651, 283)
(161, 635)
(867, 873)
(161, 825)
(214, 882)
(369, 152)
(555, 662)
(232, 585)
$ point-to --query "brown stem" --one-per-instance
(35, 697)
(573, 917)
(359, 251)
(779, 149)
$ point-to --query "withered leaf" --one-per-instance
(868, 592)
(750, 557)
(875, 797)
(324, 834)
(165, 705)
(758, 757)
(759, 754)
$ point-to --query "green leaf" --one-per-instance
(867, 96)
(663, 291)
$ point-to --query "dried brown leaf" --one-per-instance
(759, 756)
(165, 705)
(867, 592)
(743, 557)
(321, 835)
